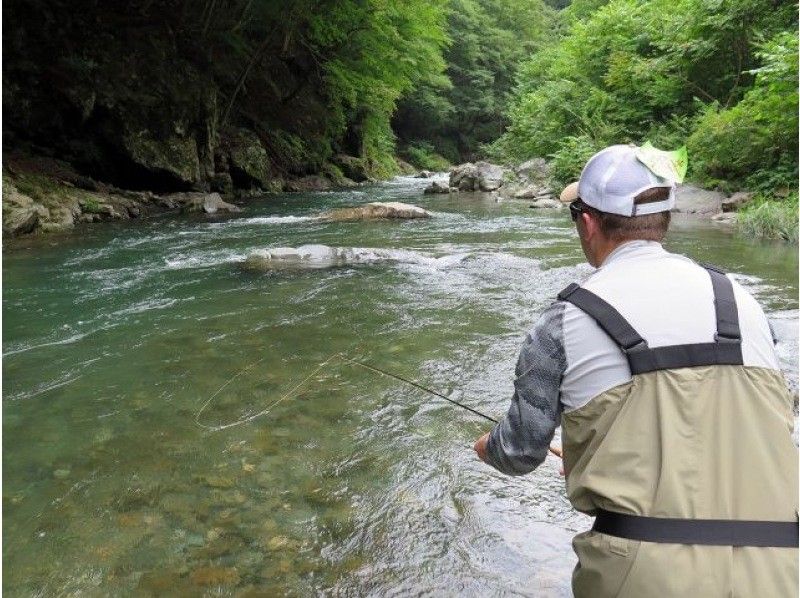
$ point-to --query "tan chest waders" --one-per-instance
(689, 468)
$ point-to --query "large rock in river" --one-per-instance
(376, 211)
(313, 256)
(438, 187)
(481, 176)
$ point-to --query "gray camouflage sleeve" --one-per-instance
(518, 444)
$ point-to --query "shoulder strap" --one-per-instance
(724, 306)
(608, 318)
(725, 350)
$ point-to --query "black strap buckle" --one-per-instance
(641, 345)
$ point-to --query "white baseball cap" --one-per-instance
(612, 179)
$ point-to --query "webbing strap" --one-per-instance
(726, 350)
(724, 305)
(714, 532)
(608, 318)
(682, 356)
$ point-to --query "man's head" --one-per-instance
(618, 199)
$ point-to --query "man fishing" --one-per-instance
(676, 420)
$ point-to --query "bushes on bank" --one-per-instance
(771, 219)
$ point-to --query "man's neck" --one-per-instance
(613, 247)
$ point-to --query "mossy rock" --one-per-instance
(174, 155)
(247, 159)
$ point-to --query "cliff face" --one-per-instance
(176, 95)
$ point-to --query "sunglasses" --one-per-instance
(577, 207)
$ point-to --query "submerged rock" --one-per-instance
(214, 576)
(376, 211)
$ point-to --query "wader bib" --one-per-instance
(689, 468)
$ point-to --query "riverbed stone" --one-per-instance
(214, 576)
(209, 203)
(376, 211)
(59, 219)
(726, 218)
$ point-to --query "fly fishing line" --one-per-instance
(316, 370)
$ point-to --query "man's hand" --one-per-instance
(480, 447)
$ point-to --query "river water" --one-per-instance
(114, 338)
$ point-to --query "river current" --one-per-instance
(356, 484)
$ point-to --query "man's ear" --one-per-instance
(589, 225)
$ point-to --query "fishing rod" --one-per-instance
(420, 386)
(554, 450)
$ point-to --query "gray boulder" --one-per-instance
(535, 170)
(437, 187)
(737, 201)
(481, 176)
(312, 256)
(694, 200)
(375, 211)
(490, 176)
(20, 213)
(247, 159)
(532, 192)
(209, 203)
(309, 183)
(174, 156)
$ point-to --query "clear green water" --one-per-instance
(113, 338)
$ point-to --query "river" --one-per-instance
(114, 338)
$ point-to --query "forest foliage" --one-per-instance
(432, 80)
(717, 75)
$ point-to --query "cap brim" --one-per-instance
(570, 193)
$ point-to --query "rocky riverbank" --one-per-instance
(45, 195)
(531, 181)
